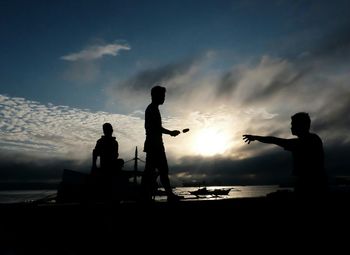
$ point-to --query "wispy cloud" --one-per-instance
(255, 97)
(83, 67)
(51, 131)
(96, 51)
(180, 78)
(38, 140)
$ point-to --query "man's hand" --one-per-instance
(175, 132)
(249, 138)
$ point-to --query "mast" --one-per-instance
(135, 166)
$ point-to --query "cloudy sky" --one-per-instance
(230, 68)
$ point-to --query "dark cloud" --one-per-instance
(269, 168)
(272, 167)
(335, 44)
(179, 78)
(280, 83)
(145, 80)
(20, 168)
(337, 158)
(259, 82)
(228, 82)
(298, 75)
(334, 116)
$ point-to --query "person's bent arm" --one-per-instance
(117, 145)
(170, 132)
(265, 139)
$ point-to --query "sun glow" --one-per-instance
(210, 141)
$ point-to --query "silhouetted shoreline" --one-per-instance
(79, 228)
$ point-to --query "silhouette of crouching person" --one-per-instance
(107, 180)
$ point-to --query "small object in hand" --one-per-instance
(185, 130)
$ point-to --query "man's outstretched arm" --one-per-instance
(265, 139)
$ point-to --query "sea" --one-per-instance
(28, 196)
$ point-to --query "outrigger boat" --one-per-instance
(214, 192)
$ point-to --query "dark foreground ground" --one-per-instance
(172, 227)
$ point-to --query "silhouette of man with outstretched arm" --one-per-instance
(308, 156)
(109, 173)
(154, 148)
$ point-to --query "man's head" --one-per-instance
(158, 94)
(107, 129)
(300, 123)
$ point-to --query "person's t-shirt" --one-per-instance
(153, 127)
(107, 149)
(308, 155)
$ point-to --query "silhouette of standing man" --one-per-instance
(308, 156)
(154, 148)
